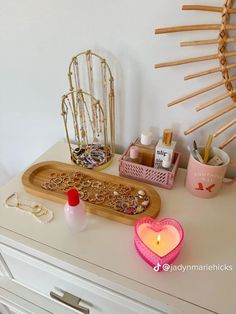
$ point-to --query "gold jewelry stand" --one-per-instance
(222, 55)
(88, 111)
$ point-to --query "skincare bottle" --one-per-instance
(164, 146)
(166, 163)
(146, 146)
(75, 212)
(134, 155)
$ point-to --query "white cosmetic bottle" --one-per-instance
(164, 146)
(75, 212)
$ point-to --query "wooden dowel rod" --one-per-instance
(202, 8)
(211, 118)
(199, 42)
(230, 27)
(207, 8)
(213, 101)
(231, 11)
(186, 28)
(230, 54)
(230, 39)
(198, 92)
(225, 127)
(231, 66)
(229, 140)
(202, 73)
(185, 61)
(201, 91)
(210, 71)
(191, 60)
(205, 42)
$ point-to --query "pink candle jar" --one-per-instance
(158, 242)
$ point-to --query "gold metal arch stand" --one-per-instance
(88, 111)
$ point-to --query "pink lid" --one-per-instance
(73, 197)
(133, 152)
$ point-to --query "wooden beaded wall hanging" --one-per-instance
(88, 111)
(224, 67)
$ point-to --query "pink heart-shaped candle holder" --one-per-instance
(158, 242)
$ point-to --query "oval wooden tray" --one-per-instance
(39, 173)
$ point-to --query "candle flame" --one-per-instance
(158, 239)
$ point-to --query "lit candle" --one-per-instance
(148, 234)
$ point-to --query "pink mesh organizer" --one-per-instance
(159, 177)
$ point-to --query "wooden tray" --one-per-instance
(39, 173)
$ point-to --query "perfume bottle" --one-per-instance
(165, 146)
(146, 145)
(134, 155)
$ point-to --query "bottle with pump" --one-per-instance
(146, 145)
(75, 212)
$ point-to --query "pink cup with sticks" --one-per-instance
(204, 180)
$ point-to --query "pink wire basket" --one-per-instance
(159, 177)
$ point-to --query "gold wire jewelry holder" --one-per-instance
(88, 111)
(224, 67)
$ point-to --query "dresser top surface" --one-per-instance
(106, 245)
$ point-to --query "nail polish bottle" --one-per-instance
(134, 155)
(75, 212)
(146, 146)
(164, 146)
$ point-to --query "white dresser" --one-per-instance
(100, 265)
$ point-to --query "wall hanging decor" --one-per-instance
(222, 54)
(88, 111)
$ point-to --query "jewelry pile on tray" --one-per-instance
(119, 197)
(91, 156)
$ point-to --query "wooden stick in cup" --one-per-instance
(207, 149)
(225, 127)
(229, 140)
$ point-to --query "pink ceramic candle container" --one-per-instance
(158, 241)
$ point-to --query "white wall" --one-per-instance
(38, 39)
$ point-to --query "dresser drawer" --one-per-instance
(4, 271)
(46, 278)
(17, 299)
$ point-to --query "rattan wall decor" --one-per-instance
(224, 67)
(88, 111)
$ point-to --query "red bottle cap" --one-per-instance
(73, 197)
